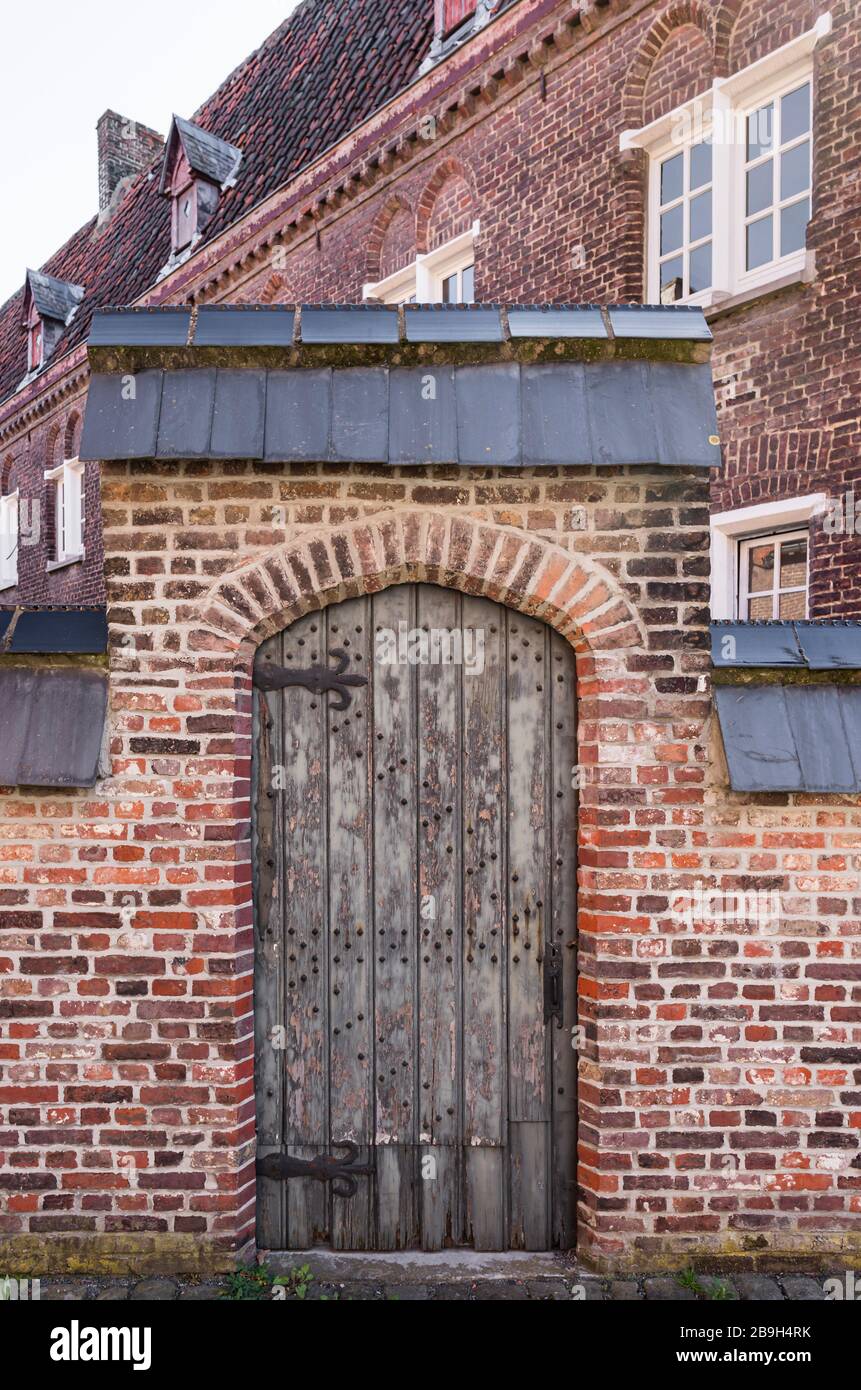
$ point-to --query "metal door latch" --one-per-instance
(553, 984)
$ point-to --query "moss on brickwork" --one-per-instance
(34, 1257)
(339, 355)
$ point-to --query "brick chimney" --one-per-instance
(125, 147)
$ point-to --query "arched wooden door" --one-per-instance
(415, 927)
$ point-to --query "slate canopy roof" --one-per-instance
(469, 386)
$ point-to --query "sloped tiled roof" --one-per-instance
(320, 74)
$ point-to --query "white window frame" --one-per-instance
(423, 278)
(730, 529)
(68, 480)
(720, 114)
(9, 532)
(745, 594)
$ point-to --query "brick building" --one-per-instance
(520, 153)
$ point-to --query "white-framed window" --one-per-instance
(760, 559)
(777, 180)
(730, 181)
(773, 576)
(443, 276)
(68, 498)
(9, 509)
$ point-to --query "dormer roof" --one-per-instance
(52, 298)
(207, 155)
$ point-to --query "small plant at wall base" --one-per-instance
(257, 1285)
(715, 1291)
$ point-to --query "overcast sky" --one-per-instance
(66, 62)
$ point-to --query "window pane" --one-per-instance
(795, 170)
(793, 224)
(701, 216)
(449, 289)
(760, 187)
(759, 243)
(672, 178)
(759, 608)
(701, 165)
(793, 563)
(469, 285)
(760, 131)
(671, 229)
(793, 605)
(761, 573)
(795, 114)
(700, 268)
(672, 284)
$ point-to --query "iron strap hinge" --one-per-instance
(315, 678)
(553, 985)
(340, 1172)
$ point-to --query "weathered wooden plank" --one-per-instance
(268, 956)
(438, 682)
(395, 910)
(486, 1197)
(442, 1183)
(350, 917)
(563, 898)
(301, 792)
(484, 897)
(396, 1200)
(528, 846)
(529, 1148)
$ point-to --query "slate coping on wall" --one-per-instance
(53, 631)
(456, 385)
(812, 645)
(51, 725)
(791, 738)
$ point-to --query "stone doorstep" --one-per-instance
(426, 1267)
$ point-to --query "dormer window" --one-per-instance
(49, 307)
(36, 343)
(454, 12)
(455, 22)
(197, 168)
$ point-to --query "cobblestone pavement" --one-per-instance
(770, 1288)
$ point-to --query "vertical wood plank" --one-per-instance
(484, 832)
(268, 850)
(395, 925)
(563, 897)
(439, 694)
(350, 918)
(529, 1148)
(528, 846)
(301, 797)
